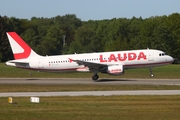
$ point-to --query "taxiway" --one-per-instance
(111, 81)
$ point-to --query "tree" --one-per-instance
(5, 50)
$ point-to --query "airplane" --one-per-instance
(112, 63)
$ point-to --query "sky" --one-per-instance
(88, 9)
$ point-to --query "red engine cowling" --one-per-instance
(115, 70)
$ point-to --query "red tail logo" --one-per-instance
(20, 41)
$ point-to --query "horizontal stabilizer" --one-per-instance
(17, 63)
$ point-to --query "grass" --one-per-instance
(93, 107)
(164, 72)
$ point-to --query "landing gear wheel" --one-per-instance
(152, 75)
(95, 77)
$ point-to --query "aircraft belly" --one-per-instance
(144, 64)
(60, 67)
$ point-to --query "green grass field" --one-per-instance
(92, 108)
(169, 71)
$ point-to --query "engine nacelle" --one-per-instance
(115, 70)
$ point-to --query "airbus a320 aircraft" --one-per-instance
(112, 63)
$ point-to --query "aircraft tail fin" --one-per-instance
(20, 48)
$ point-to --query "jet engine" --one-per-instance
(115, 70)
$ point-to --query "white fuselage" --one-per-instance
(64, 63)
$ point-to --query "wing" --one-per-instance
(91, 65)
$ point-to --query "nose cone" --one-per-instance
(170, 59)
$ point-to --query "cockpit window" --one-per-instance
(162, 54)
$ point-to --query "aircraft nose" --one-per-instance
(170, 59)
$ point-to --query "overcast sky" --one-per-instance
(88, 9)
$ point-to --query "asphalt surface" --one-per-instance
(110, 81)
(92, 93)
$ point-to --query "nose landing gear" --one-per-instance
(151, 73)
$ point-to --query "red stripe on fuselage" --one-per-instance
(20, 41)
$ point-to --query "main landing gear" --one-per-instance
(151, 73)
(95, 77)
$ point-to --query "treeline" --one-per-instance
(48, 35)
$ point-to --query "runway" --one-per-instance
(92, 93)
(109, 81)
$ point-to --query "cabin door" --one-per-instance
(150, 56)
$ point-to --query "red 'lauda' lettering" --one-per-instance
(141, 55)
(112, 58)
(115, 70)
(101, 59)
(122, 58)
(131, 56)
